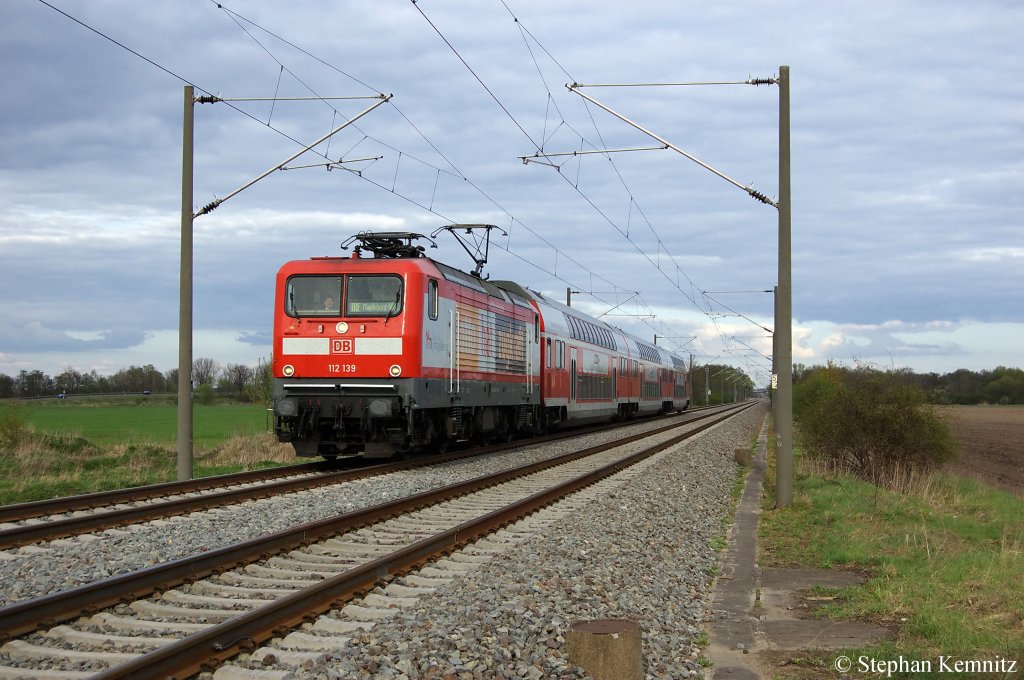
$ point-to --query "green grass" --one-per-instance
(945, 564)
(50, 449)
(106, 424)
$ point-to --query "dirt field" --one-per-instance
(991, 442)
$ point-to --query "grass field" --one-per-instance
(59, 448)
(944, 564)
(106, 424)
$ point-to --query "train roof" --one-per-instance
(584, 327)
(402, 246)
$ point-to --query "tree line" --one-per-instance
(1001, 385)
(253, 383)
(209, 379)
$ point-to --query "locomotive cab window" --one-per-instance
(369, 295)
(432, 300)
(313, 296)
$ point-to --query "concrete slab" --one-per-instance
(770, 609)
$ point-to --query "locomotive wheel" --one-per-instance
(441, 443)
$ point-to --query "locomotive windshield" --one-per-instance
(363, 295)
(313, 296)
(373, 296)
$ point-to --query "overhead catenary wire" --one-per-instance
(542, 154)
(750, 190)
(750, 81)
(453, 171)
(207, 97)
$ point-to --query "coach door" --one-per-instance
(572, 375)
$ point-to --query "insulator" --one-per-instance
(209, 207)
(761, 81)
(207, 99)
(761, 197)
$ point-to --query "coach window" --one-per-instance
(432, 299)
(536, 328)
(547, 351)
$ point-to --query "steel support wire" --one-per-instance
(210, 207)
(757, 195)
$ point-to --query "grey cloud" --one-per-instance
(35, 337)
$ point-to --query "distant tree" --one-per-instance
(152, 379)
(6, 386)
(171, 380)
(234, 378)
(33, 384)
(204, 371)
(90, 382)
(726, 383)
(1006, 386)
(965, 386)
(259, 389)
(68, 382)
(127, 380)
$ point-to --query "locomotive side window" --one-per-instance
(432, 299)
(313, 296)
(373, 295)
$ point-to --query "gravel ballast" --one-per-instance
(37, 570)
(643, 552)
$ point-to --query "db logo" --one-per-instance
(341, 345)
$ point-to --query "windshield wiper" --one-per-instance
(394, 307)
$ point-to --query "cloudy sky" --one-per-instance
(907, 149)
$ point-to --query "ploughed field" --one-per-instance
(991, 440)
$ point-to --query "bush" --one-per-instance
(813, 386)
(13, 430)
(871, 424)
(205, 395)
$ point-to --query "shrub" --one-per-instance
(873, 425)
(814, 385)
(205, 395)
(13, 429)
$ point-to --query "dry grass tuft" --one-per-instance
(250, 449)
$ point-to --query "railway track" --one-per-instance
(27, 523)
(236, 597)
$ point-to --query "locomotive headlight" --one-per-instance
(288, 370)
(342, 328)
(395, 370)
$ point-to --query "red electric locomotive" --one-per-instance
(396, 353)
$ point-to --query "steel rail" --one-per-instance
(56, 506)
(72, 526)
(205, 650)
(48, 610)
